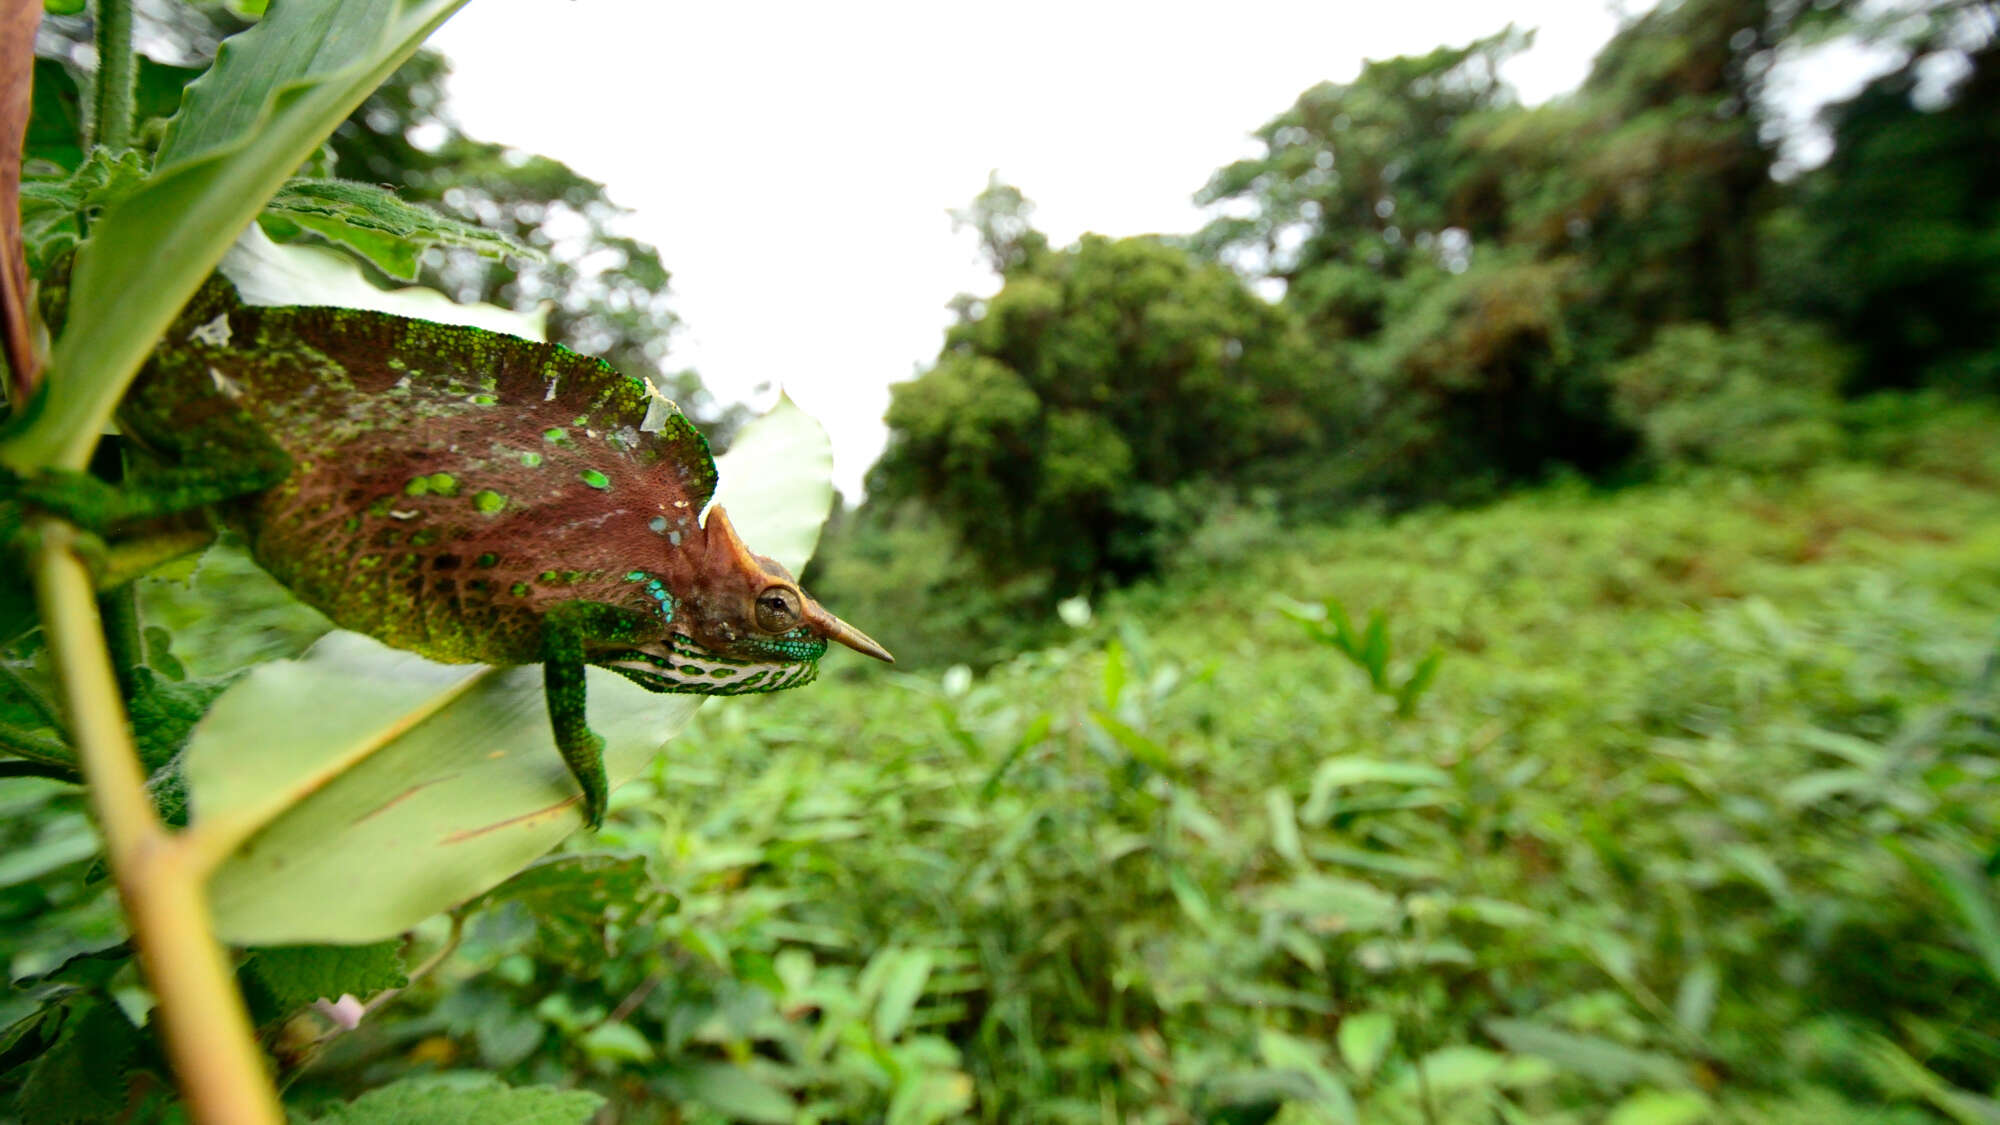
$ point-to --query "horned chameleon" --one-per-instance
(465, 495)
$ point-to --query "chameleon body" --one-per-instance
(469, 496)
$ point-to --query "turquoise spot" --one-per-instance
(658, 524)
(636, 576)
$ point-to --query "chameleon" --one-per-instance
(465, 495)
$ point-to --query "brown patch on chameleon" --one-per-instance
(468, 496)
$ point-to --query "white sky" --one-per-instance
(794, 161)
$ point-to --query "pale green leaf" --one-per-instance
(1284, 820)
(1336, 774)
(1332, 903)
(1660, 1107)
(1588, 1056)
(776, 482)
(902, 986)
(271, 273)
(437, 1101)
(739, 1094)
(616, 1042)
(375, 223)
(1365, 1039)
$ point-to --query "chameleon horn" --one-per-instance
(834, 629)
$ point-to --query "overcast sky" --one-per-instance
(794, 162)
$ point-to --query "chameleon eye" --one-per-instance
(778, 609)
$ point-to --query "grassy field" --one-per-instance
(1695, 822)
(1694, 819)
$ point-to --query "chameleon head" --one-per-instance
(740, 623)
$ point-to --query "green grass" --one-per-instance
(1696, 822)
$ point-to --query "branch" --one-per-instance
(208, 1035)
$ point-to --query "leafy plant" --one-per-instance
(258, 833)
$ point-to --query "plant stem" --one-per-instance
(117, 75)
(208, 1035)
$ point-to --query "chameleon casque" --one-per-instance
(465, 495)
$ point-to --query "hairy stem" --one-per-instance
(200, 1014)
(117, 74)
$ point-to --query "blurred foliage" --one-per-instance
(1667, 804)
(1693, 820)
(1473, 295)
(1761, 395)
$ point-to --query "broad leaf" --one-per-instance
(293, 976)
(270, 273)
(440, 1101)
(381, 227)
(358, 790)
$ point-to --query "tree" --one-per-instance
(1903, 229)
(1063, 423)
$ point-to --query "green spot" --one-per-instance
(636, 576)
(437, 484)
(556, 435)
(488, 501)
(352, 523)
(485, 400)
(519, 589)
(487, 559)
(595, 479)
(531, 460)
(423, 538)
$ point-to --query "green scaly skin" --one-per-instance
(465, 495)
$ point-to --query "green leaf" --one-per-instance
(433, 1101)
(377, 224)
(1365, 1039)
(1374, 654)
(1420, 680)
(1450, 1070)
(270, 273)
(1970, 894)
(1335, 774)
(1144, 749)
(777, 483)
(903, 981)
(735, 1092)
(1694, 1003)
(1284, 820)
(1660, 1107)
(82, 1075)
(569, 897)
(1333, 903)
(1287, 1053)
(291, 977)
(274, 93)
(616, 1042)
(1588, 1056)
(431, 783)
